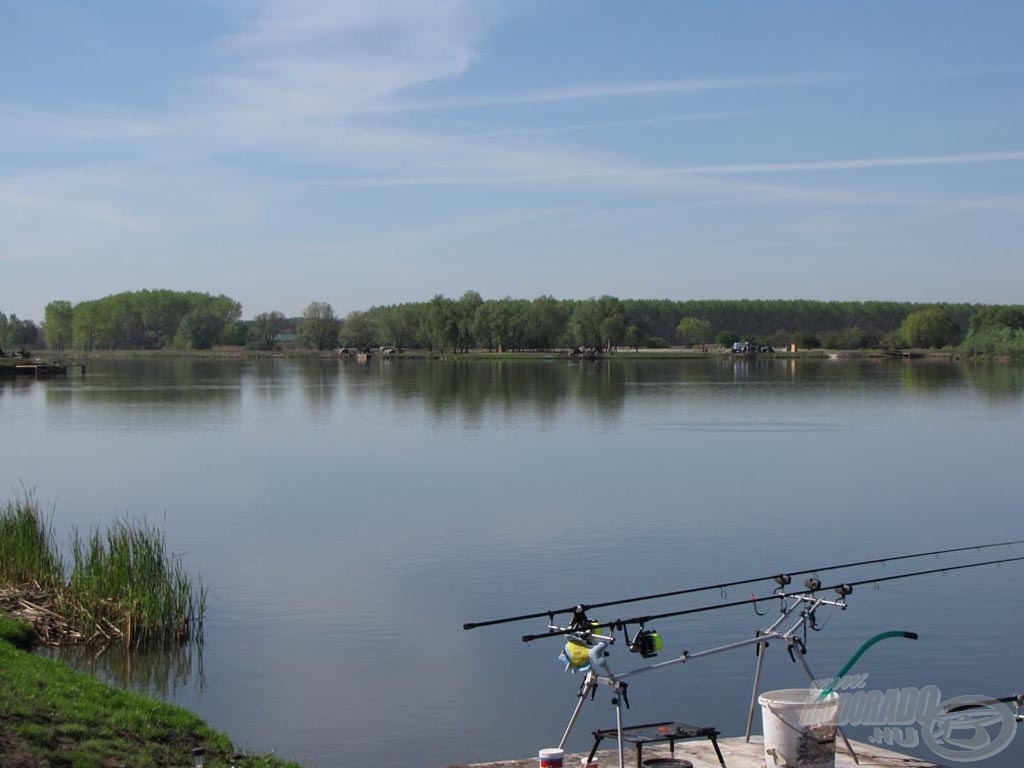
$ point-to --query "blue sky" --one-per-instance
(367, 152)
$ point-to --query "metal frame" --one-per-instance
(600, 673)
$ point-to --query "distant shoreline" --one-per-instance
(622, 355)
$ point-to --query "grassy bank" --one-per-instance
(51, 715)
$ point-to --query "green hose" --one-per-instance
(860, 652)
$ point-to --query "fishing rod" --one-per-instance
(813, 585)
(589, 642)
(582, 608)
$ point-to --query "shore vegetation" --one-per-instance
(120, 585)
(162, 320)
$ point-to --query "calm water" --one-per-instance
(348, 519)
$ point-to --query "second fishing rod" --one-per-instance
(550, 614)
(842, 589)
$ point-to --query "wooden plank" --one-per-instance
(737, 752)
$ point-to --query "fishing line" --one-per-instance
(843, 588)
(582, 608)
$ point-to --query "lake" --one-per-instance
(349, 518)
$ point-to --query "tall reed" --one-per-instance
(124, 581)
(28, 553)
(124, 585)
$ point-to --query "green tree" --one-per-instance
(546, 320)
(161, 312)
(318, 328)
(441, 320)
(4, 325)
(235, 334)
(57, 325)
(806, 340)
(484, 321)
(693, 330)
(151, 319)
(997, 317)
(585, 323)
(358, 330)
(466, 310)
(635, 337)
(726, 338)
(21, 333)
(996, 330)
(929, 328)
(613, 321)
(264, 328)
(398, 324)
(200, 328)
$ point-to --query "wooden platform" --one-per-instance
(737, 752)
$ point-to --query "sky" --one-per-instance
(370, 152)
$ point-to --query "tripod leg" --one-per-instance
(846, 741)
(761, 648)
(585, 690)
(618, 728)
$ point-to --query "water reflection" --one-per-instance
(319, 380)
(16, 385)
(155, 395)
(471, 388)
(269, 380)
(164, 673)
(133, 382)
(357, 501)
(997, 382)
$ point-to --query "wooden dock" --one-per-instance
(736, 751)
(39, 369)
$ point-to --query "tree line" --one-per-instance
(136, 320)
(162, 319)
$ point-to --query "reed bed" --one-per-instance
(124, 586)
(28, 552)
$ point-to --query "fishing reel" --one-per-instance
(584, 626)
(646, 642)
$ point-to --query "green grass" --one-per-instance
(52, 715)
(20, 634)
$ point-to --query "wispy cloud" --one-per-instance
(966, 158)
(309, 60)
(625, 172)
(305, 100)
(572, 128)
(610, 90)
(97, 125)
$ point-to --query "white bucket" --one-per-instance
(799, 729)
(550, 758)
